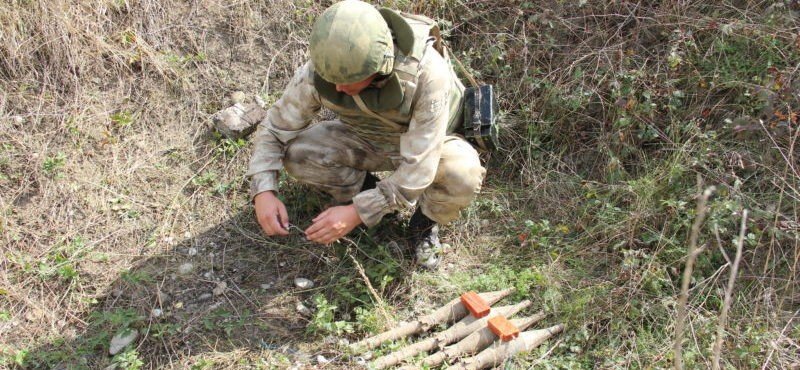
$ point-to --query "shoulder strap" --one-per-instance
(365, 109)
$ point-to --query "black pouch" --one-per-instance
(480, 112)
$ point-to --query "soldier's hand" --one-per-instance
(332, 224)
(271, 214)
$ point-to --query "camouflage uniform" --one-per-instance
(411, 139)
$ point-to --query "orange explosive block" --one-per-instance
(501, 327)
(475, 304)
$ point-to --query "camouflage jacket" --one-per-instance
(416, 155)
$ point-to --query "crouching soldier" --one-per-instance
(397, 99)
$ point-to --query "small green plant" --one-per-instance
(205, 179)
(324, 321)
(228, 147)
(5, 315)
(202, 364)
(53, 165)
(136, 277)
(128, 360)
(122, 118)
(542, 234)
(181, 60)
(61, 261)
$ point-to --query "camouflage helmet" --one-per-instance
(351, 41)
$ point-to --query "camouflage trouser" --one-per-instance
(331, 157)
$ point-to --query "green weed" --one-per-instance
(323, 322)
(54, 165)
(128, 360)
(122, 119)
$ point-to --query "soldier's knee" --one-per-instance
(460, 170)
(461, 179)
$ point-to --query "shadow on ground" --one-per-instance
(230, 292)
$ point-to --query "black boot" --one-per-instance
(370, 182)
(425, 239)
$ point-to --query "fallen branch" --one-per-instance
(691, 256)
(495, 355)
(448, 313)
(476, 342)
(723, 315)
(463, 328)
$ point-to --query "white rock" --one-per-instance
(266, 286)
(282, 264)
(361, 361)
(322, 360)
(121, 340)
(238, 120)
(220, 288)
(187, 234)
(156, 312)
(303, 310)
(185, 268)
(303, 283)
(192, 251)
(18, 120)
(208, 275)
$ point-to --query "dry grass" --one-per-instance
(111, 179)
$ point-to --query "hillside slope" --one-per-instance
(122, 210)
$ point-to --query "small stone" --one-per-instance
(367, 356)
(204, 297)
(192, 251)
(322, 360)
(179, 305)
(122, 340)
(343, 342)
(187, 234)
(116, 293)
(185, 268)
(303, 310)
(303, 283)
(208, 275)
(266, 286)
(361, 361)
(34, 314)
(156, 312)
(220, 288)
(18, 120)
(238, 97)
(282, 264)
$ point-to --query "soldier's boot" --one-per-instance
(425, 239)
(370, 182)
